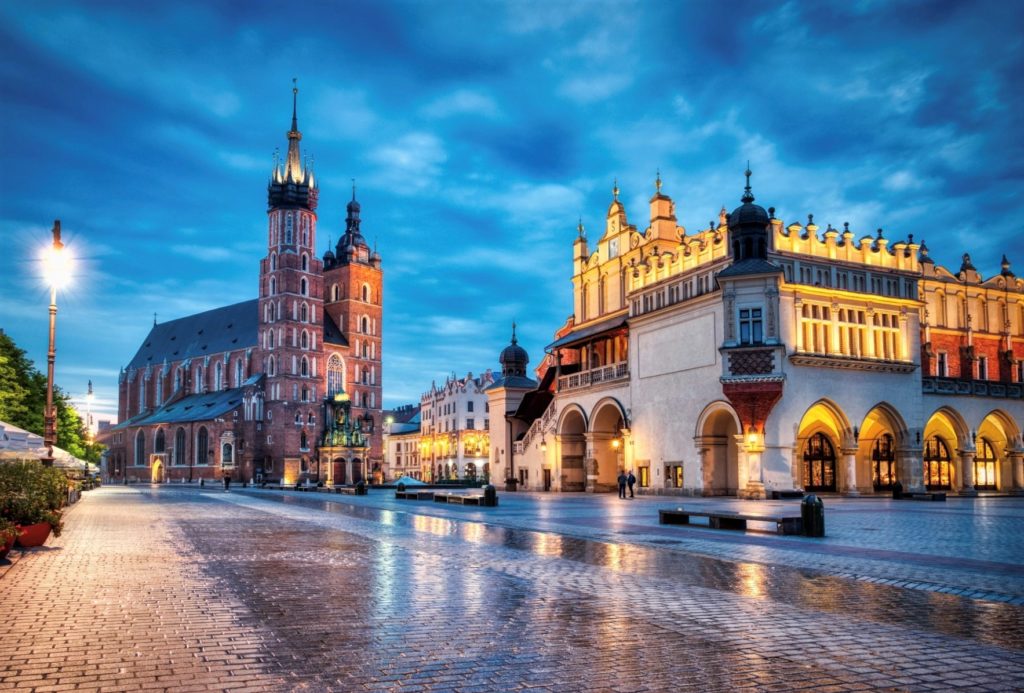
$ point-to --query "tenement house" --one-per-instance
(284, 387)
(454, 428)
(755, 356)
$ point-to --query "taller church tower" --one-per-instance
(290, 336)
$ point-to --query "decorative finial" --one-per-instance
(580, 230)
(154, 319)
(810, 219)
(879, 232)
(748, 196)
(353, 189)
(1006, 268)
(846, 227)
(57, 245)
(711, 225)
(90, 388)
(910, 239)
(514, 341)
(615, 189)
(295, 103)
(657, 181)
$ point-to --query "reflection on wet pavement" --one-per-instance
(360, 596)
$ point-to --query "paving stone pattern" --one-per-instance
(299, 592)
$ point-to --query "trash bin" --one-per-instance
(511, 483)
(812, 510)
(360, 488)
(897, 491)
(490, 496)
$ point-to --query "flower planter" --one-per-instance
(34, 535)
(6, 548)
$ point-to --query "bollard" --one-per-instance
(360, 488)
(812, 511)
(490, 496)
(897, 491)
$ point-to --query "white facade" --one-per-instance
(455, 428)
(808, 363)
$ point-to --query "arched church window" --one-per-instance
(227, 455)
(305, 395)
(273, 285)
(883, 463)
(985, 466)
(305, 366)
(364, 326)
(140, 449)
(335, 293)
(819, 464)
(218, 376)
(304, 341)
(366, 293)
(271, 366)
(238, 373)
(289, 231)
(303, 286)
(273, 263)
(270, 339)
(160, 444)
(304, 313)
(202, 445)
(305, 263)
(303, 443)
(197, 386)
(937, 466)
(179, 447)
(335, 375)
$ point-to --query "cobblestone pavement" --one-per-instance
(179, 589)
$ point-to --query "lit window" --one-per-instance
(982, 368)
(941, 365)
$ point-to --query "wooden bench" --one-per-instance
(782, 495)
(347, 490)
(724, 519)
(458, 499)
(415, 495)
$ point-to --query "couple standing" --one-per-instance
(623, 480)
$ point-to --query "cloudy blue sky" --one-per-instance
(478, 133)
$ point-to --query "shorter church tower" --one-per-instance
(354, 302)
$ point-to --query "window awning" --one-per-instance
(586, 333)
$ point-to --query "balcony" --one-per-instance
(931, 385)
(595, 376)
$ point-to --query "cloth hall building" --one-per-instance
(284, 387)
(755, 356)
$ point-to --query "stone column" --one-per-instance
(967, 473)
(850, 467)
(1016, 458)
(590, 464)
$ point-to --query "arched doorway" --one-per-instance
(572, 447)
(945, 435)
(606, 442)
(819, 463)
(938, 464)
(883, 463)
(992, 467)
(716, 441)
(985, 462)
(156, 470)
(825, 433)
(339, 471)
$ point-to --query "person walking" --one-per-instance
(622, 484)
(631, 480)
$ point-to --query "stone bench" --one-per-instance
(928, 496)
(458, 499)
(346, 490)
(724, 519)
(783, 495)
(414, 495)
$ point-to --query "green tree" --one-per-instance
(23, 399)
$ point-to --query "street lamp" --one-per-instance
(57, 266)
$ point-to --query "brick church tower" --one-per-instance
(291, 329)
(354, 301)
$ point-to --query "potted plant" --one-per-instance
(31, 497)
(8, 533)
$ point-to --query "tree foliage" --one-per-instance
(23, 399)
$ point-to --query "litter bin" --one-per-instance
(812, 510)
(360, 488)
(490, 496)
(511, 483)
(897, 491)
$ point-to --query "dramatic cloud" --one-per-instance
(478, 134)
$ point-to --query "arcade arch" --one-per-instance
(716, 437)
(824, 435)
(606, 445)
(572, 446)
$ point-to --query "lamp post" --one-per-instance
(56, 266)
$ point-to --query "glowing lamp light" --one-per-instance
(341, 397)
(543, 444)
(57, 264)
(616, 443)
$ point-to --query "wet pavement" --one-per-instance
(283, 590)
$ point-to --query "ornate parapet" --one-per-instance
(852, 363)
(931, 385)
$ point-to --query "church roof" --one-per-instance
(750, 266)
(204, 407)
(332, 334)
(222, 329)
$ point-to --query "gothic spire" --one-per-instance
(748, 196)
(293, 166)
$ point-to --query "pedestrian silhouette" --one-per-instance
(631, 480)
(622, 484)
